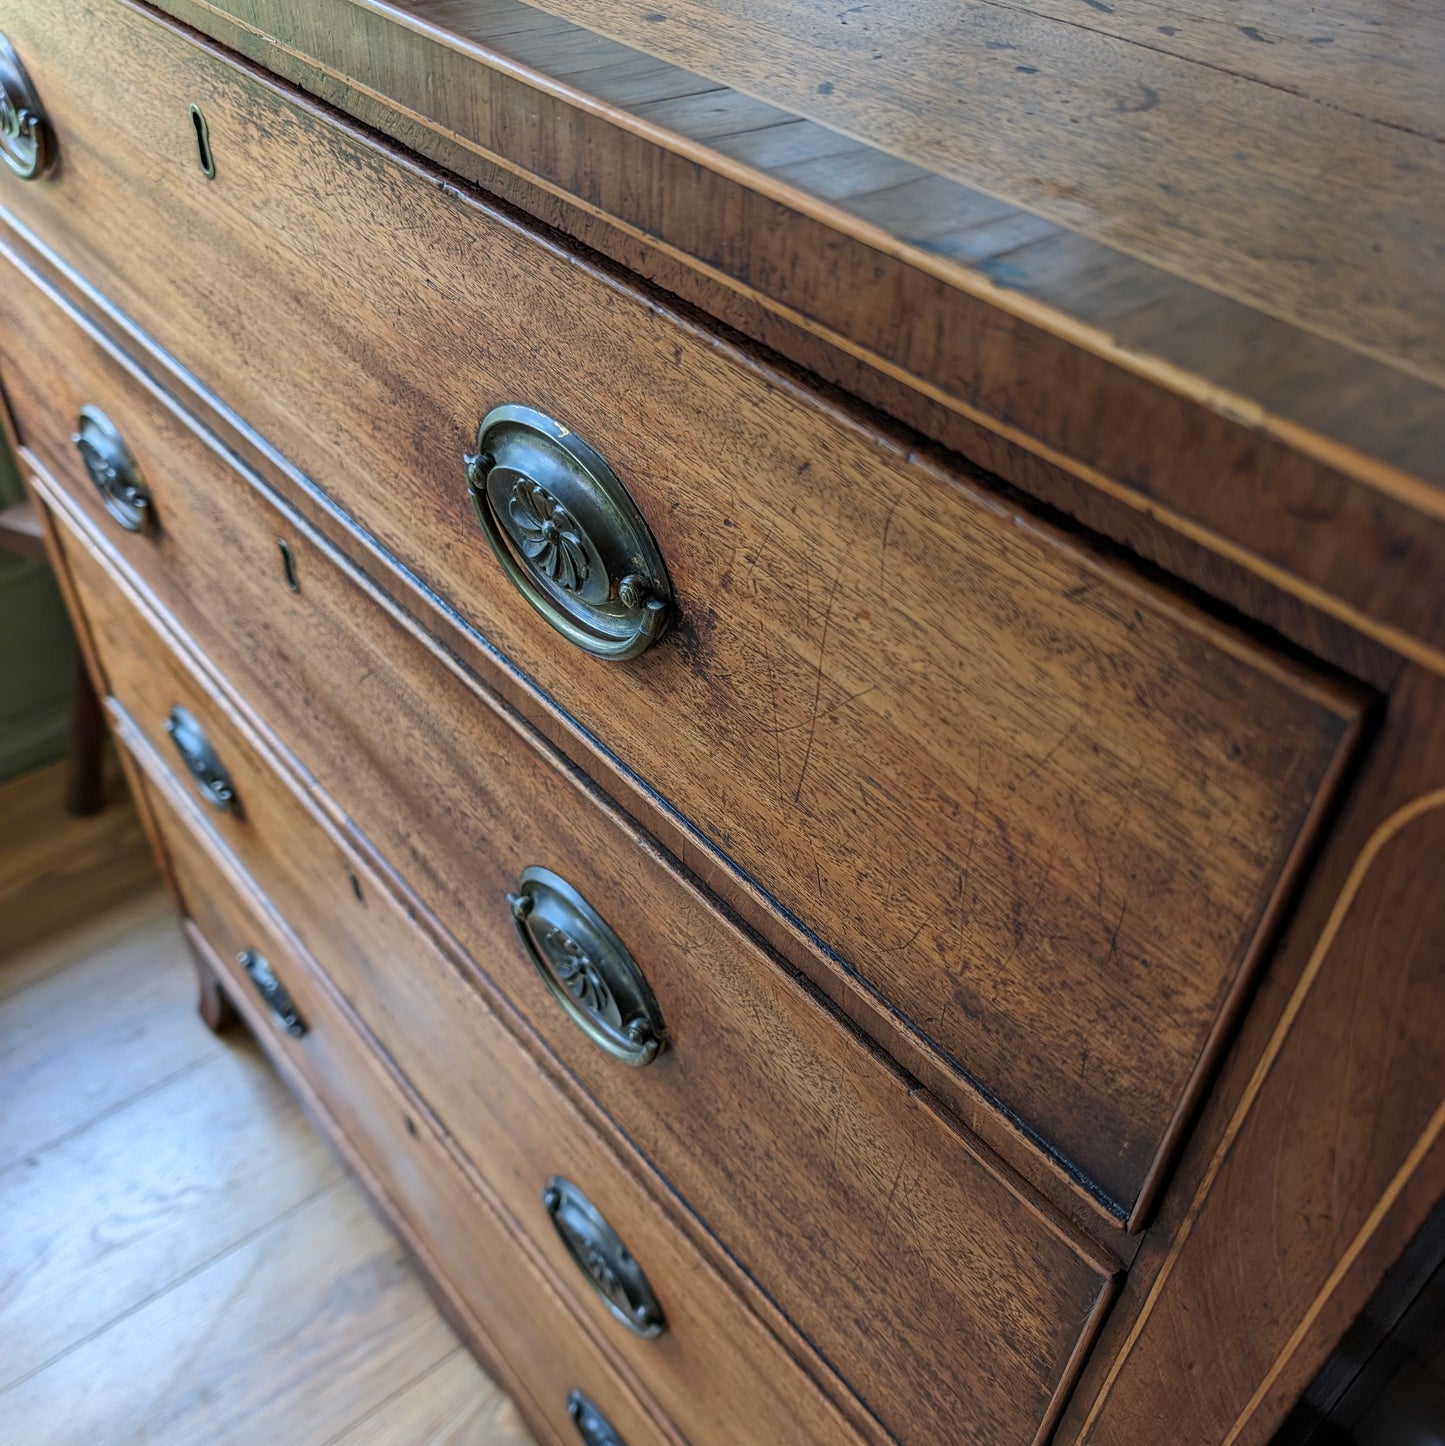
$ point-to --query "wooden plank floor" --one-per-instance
(182, 1259)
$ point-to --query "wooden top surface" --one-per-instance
(1173, 177)
(1080, 224)
(1287, 156)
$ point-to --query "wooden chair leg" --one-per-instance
(85, 793)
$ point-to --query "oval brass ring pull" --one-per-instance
(113, 470)
(592, 1426)
(567, 533)
(200, 759)
(587, 968)
(603, 1259)
(26, 143)
(273, 993)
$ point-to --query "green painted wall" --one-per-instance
(36, 651)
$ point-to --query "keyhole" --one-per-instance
(288, 565)
(203, 142)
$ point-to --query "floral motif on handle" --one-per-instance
(548, 534)
(109, 478)
(601, 1273)
(20, 133)
(577, 973)
(25, 144)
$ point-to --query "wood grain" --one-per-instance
(115, 1215)
(55, 868)
(1191, 164)
(200, 1362)
(1142, 774)
(451, 1220)
(1299, 1211)
(847, 1128)
(715, 1370)
(64, 945)
(1317, 1152)
(125, 1212)
(1213, 419)
(1406, 762)
(132, 989)
(452, 1405)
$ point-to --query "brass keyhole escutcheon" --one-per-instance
(205, 157)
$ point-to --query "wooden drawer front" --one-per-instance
(1040, 808)
(716, 1368)
(895, 1246)
(518, 1306)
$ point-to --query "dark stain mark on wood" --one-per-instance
(691, 634)
(826, 88)
(1250, 33)
(1027, 69)
(1145, 98)
(1004, 273)
(1099, 6)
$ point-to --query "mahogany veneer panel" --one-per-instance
(1091, 797)
(1018, 1288)
(457, 1231)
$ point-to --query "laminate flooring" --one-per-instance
(182, 1259)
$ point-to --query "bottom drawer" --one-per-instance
(546, 1354)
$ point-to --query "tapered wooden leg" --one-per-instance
(85, 792)
(212, 1003)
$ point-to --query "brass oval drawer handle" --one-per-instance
(587, 968)
(27, 144)
(603, 1259)
(592, 1426)
(272, 991)
(567, 533)
(113, 470)
(210, 777)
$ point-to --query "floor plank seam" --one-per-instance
(137, 915)
(353, 1426)
(280, 1218)
(35, 1151)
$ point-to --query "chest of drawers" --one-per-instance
(807, 940)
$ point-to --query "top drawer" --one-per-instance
(1040, 809)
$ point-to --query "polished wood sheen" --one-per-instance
(1291, 1207)
(504, 1113)
(1093, 796)
(840, 1107)
(454, 1225)
(1028, 829)
(1154, 366)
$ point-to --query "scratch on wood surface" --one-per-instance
(1044, 761)
(883, 542)
(817, 686)
(777, 731)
